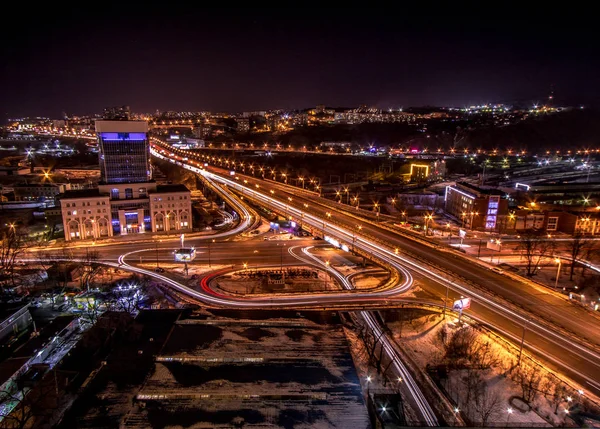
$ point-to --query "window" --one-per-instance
(552, 224)
(128, 193)
(114, 194)
(68, 213)
(68, 205)
(103, 203)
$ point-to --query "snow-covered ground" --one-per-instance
(265, 373)
(486, 387)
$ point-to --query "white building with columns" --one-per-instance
(146, 207)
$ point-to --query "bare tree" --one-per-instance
(578, 246)
(12, 246)
(558, 395)
(473, 384)
(529, 379)
(482, 355)
(91, 268)
(534, 249)
(487, 405)
(457, 348)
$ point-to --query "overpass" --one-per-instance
(550, 326)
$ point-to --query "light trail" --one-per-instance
(385, 254)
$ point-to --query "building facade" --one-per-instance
(124, 152)
(476, 207)
(553, 221)
(126, 201)
(40, 192)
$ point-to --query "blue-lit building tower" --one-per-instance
(124, 151)
(127, 200)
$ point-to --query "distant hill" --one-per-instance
(571, 129)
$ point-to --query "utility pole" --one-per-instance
(445, 301)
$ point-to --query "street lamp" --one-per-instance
(509, 411)
(559, 262)
(473, 214)
(428, 218)
(359, 227)
(328, 214)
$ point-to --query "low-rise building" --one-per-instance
(551, 221)
(476, 207)
(44, 192)
(119, 209)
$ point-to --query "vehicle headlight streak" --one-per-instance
(553, 336)
(389, 256)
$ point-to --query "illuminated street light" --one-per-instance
(509, 411)
(558, 261)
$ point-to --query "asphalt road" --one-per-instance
(565, 335)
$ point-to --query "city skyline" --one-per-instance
(251, 60)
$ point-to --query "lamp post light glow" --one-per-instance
(559, 262)
(509, 411)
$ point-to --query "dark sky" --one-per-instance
(175, 57)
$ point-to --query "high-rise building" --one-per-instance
(124, 151)
(126, 201)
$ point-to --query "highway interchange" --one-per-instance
(564, 336)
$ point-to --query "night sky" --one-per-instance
(60, 59)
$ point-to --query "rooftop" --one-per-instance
(82, 193)
(480, 190)
(170, 188)
(35, 185)
(277, 372)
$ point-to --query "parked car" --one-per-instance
(159, 270)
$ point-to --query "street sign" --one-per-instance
(461, 304)
(493, 244)
(185, 254)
